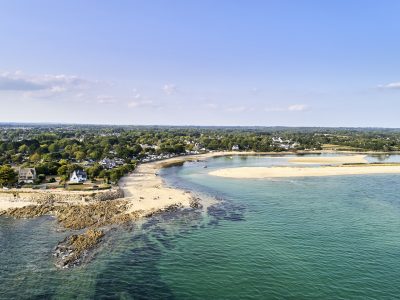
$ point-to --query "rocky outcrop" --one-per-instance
(77, 248)
(79, 216)
(91, 211)
(109, 195)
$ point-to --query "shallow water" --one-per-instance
(303, 238)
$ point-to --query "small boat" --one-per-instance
(205, 167)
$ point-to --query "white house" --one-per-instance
(26, 175)
(108, 163)
(235, 147)
(78, 176)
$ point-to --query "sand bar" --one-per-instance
(349, 159)
(265, 172)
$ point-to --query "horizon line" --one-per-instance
(192, 125)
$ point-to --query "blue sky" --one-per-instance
(295, 63)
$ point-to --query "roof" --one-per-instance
(80, 173)
(25, 171)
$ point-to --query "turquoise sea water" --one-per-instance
(303, 238)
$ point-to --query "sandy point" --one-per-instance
(146, 191)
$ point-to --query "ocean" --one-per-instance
(334, 237)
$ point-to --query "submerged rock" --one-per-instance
(75, 249)
(170, 208)
(195, 203)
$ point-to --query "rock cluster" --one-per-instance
(78, 216)
(76, 249)
(170, 208)
(195, 203)
(73, 250)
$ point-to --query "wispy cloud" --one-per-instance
(13, 83)
(169, 89)
(43, 86)
(274, 109)
(18, 81)
(105, 99)
(211, 105)
(237, 109)
(293, 107)
(392, 85)
(141, 103)
(297, 107)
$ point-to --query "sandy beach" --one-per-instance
(349, 159)
(7, 203)
(145, 190)
(272, 172)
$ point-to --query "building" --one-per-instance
(26, 175)
(107, 163)
(78, 176)
(235, 147)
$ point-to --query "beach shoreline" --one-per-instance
(146, 191)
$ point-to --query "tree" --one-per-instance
(23, 149)
(115, 175)
(35, 157)
(63, 170)
(7, 176)
(95, 155)
(94, 171)
(63, 162)
(53, 148)
(105, 175)
(80, 155)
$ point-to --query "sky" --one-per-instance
(240, 63)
